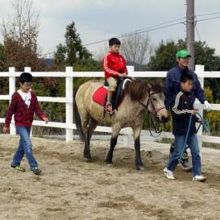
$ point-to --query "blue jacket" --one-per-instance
(181, 112)
(172, 85)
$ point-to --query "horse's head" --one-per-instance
(151, 97)
(156, 102)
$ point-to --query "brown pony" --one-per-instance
(139, 98)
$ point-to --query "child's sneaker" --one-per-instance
(36, 170)
(108, 108)
(199, 178)
(18, 168)
(168, 174)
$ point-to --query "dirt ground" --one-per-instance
(70, 188)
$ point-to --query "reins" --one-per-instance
(154, 123)
(149, 101)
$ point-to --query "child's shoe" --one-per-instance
(108, 108)
(18, 168)
(36, 170)
(168, 174)
(199, 178)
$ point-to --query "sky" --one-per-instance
(102, 19)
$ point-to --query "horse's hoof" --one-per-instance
(141, 168)
(86, 159)
(109, 164)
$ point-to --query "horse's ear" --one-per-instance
(161, 83)
(146, 86)
(156, 86)
(150, 86)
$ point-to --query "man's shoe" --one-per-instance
(186, 165)
(199, 178)
(36, 171)
(168, 174)
(18, 168)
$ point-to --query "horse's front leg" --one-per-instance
(115, 132)
(138, 161)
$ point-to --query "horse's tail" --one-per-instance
(78, 120)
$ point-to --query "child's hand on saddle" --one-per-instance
(46, 119)
(194, 111)
(122, 74)
(5, 130)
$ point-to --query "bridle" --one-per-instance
(149, 101)
(154, 122)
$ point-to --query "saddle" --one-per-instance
(100, 95)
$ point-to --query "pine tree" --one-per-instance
(60, 56)
(75, 51)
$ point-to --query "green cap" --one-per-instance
(182, 54)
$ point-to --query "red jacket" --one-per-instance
(113, 64)
(23, 115)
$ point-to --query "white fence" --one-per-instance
(69, 75)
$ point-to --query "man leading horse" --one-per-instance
(172, 87)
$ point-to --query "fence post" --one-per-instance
(130, 69)
(12, 89)
(200, 71)
(69, 104)
(127, 140)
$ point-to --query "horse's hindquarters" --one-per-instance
(87, 107)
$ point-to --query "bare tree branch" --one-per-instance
(20, 32)
(136, 48)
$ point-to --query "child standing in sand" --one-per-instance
(23, 105)
(181, 114)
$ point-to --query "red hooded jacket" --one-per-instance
(113, 64)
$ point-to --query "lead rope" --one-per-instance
(206, 128)
(186, 138)
(205, 123)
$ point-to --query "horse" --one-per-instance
(139, 97)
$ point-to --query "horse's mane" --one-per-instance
(137, 89)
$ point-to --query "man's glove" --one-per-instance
(207, 105)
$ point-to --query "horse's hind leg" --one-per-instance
(115, 132)
(88, 134)
(138, 161)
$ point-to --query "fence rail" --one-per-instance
(69, 76)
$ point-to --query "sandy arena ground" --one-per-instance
(73, 189)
